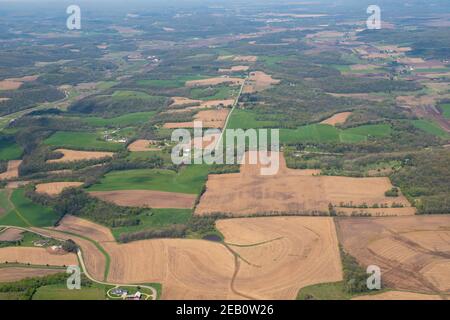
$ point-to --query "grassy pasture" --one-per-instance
(446, 110)
(60, 292)
(10, 151)
(431, 128)
(158, 218)
(245, 119)
(125, 120)
(326, 133)
(189, 180)
(81, 141)
(213, 93)
(22, 212)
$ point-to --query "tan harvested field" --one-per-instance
(55, 188)
(147, 198)
(75, 155)
(280, 255)
(214, 82)
(24, 79)
(293, 191)
(187, 269)
(209, 118)
(414, 101)
(197, 269)
(10, 85)
(93, 258)
(85, 228)
(38, 256)
(259, 81)
(217, 103)
(143, 145)
(235, 69)
(12, 171)
(181, 101)
(16, 184)
(15, 83)
(394, 48)
(399, 295)
(376, 212)
(11, 234)
(338, 118)
(413, 252)
(19, 273)
(245, 58)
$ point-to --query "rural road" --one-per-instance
(154, 294)
(232, 109)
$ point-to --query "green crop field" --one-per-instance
(10, 151)
(372, 130)
(189, 180)
(81, 141)
(431, 128)
(20, 211)
(214, 93)
(35, 214)
(446, 110)
(156, 219)
(125, 120)
(326, 133)
(245, 119)
(60, 292)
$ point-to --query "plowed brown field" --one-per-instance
(147, 198)
(38, 256)
(75, 155)
(17, 273)
(268, 258)
(12, 171)
(11, 234)
(55, 188)
(259, 81)
(399, 295)
(209, 119)
(291, 191)
(338, 118)
(412, 252)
